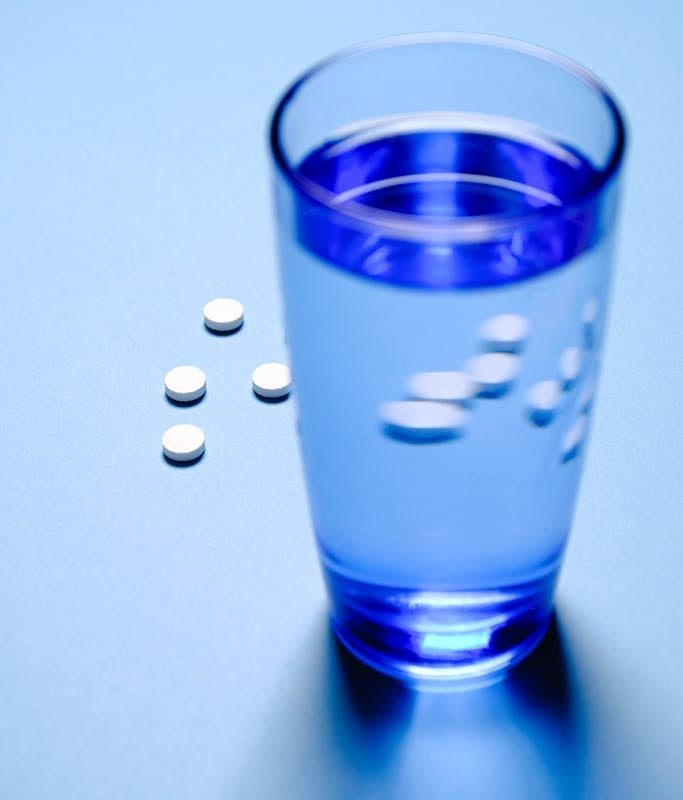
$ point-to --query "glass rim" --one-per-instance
(461, 229)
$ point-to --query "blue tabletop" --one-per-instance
(163, 630)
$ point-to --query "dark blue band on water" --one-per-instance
(528, 190)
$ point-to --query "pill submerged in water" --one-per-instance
(574, 438)
(446, 386)
(543, 400)
(183, 442)
(272, 380)
(185, 384)
(223, 314)
(571, 362)
(504, 332)
(589, 318)
(493, 373)
(422, 420)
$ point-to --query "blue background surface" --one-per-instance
(162, 630)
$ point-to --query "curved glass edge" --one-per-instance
(465, 230)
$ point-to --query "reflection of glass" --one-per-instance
(445, 209)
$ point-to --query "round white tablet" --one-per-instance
(504, 332)
(493, 373)
(543, 400)
(571, 362)
(422, 420)
(183, 442)
(272, 380)
(185, 384)
(223, 314)
(574, 438)
(446, 386)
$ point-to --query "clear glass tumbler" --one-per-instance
(445, 210)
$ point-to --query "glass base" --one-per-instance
(440, 639)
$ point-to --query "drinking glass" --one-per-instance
(445, 214)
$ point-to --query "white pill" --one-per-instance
(574, 438)
(423, 420)
(543, 400)
(571, 362)
(493, 373)
(589, 313)
(504, 332)
(185, 384)
(446, 386)
(589, 318)
(183, 442)
(272, 380)
(223, 314)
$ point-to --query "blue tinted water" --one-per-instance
(436, 548)
(442, 175)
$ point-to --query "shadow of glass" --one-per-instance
(370, 712)
(518, 739)
(332, 730)
(343, 731)
(541, 686)
(543, 695)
